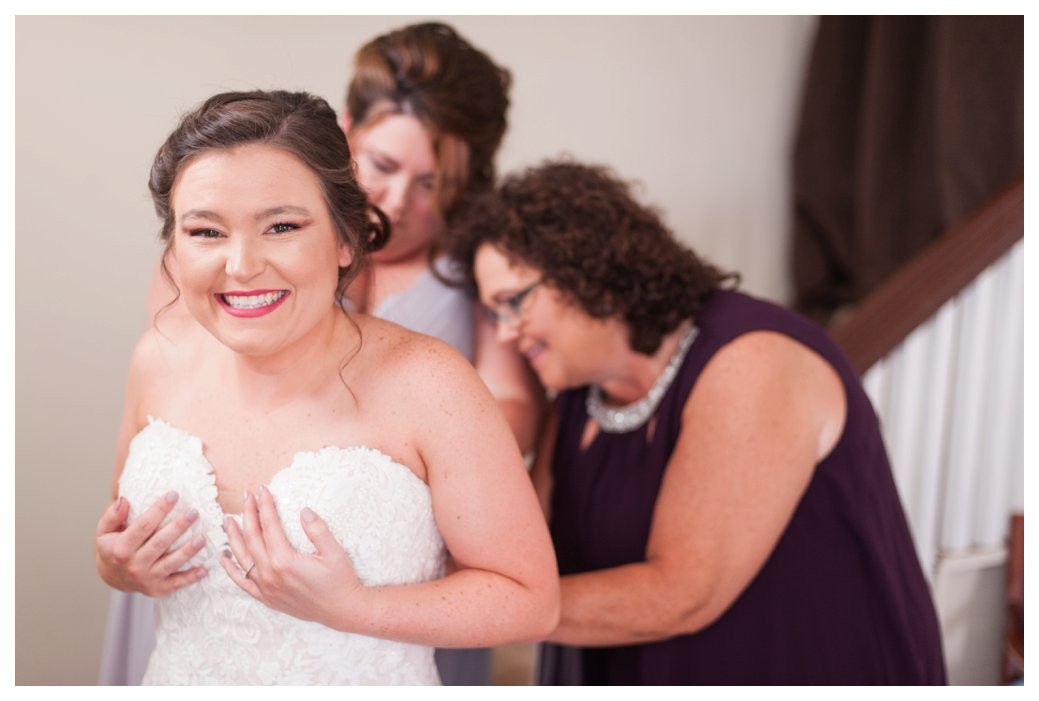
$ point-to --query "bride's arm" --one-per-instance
(136, 557)
(506, 587)
(507, 583)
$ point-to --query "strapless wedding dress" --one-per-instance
(212, 632)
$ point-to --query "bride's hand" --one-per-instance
(265, 564)
(138, 557)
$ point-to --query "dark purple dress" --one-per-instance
(842, 598)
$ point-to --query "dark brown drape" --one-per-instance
(908, 124)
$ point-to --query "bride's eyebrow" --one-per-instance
(283, 209)
(204, 214)
(209, 215)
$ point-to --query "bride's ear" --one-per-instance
(346, 256)
(346, 123)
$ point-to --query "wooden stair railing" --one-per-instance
(1014, 651)
(918, 289)
(939, 347)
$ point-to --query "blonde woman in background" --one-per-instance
(425, 115)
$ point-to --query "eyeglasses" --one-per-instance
(508, 310)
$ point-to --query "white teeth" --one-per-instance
(253, 301)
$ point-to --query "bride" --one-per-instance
(289, 476)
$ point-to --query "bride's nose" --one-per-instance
(244, 259)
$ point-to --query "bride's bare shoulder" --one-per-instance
(166, 346)
(415, 358)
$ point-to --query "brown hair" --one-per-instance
(296, 122)
(580, 226)
(458, 93)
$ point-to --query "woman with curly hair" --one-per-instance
(714, 476)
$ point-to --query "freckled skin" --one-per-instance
(277, 384)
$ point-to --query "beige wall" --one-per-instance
(701, 110)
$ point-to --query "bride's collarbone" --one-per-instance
(247, 446)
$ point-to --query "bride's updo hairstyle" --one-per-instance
(296, 122)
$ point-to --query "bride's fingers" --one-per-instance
(113, 520)
(238, 576)
(320, 535)
(163, 539)
(252, 535)
(243, 560)
(273, 534)
(179, 581)
(145, 525)
(171, 564)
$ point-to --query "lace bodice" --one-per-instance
(212, 632)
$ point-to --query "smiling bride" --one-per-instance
(290, 477)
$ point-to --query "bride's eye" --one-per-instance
(283, 227)
(204, 233)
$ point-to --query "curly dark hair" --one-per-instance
(297, 122)
(580, 226)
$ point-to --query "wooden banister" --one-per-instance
(934, 276)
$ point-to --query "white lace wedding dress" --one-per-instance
(212, 632)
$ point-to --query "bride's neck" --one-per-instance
(306, 367)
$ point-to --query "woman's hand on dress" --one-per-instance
(272, 571)
(137, 557)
